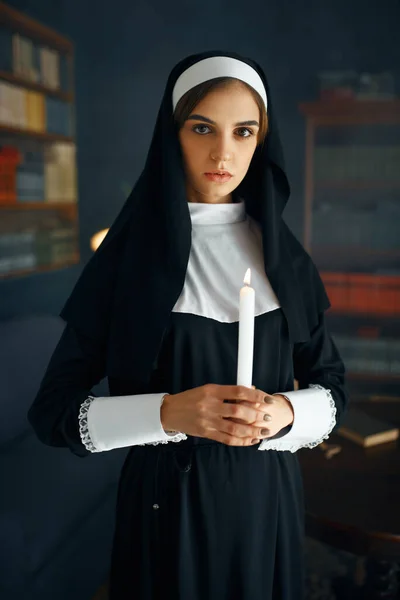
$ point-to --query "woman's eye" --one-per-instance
(202, 127)
(245, 132)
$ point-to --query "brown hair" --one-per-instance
(190, 100)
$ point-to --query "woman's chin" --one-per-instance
(212, 193)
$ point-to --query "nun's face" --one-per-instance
(219, 136)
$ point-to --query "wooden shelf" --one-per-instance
(39, 205)
(42, 269)
(364, 315)
(357, 185)
(363, 326)
(335, 276)
(36, 135)
(68, 208)
(353, 250)
(367, 397)
(372, 377)
(383, 321)
(14, 19)
(354, 258)
(37, 87)
(352, 111)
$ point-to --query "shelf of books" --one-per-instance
(38, 178)
(352, 231)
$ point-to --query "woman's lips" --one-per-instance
(218, 177)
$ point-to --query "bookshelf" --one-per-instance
(352, 231)
(31, 85)
(38, 178)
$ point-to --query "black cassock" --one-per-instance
(197, 519)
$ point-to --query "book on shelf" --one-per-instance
(35, 116)
(357, 163)
(37, 247)
(56, 246)
(30, 176)
(50, 68)
(13, 105)
(17, 251)
(58, 117)
(376, 356)
(37, 63)
(366, 430)
(367, 293)
(374, 226)
(33, 111)
(25, 58)
(43, 173)
(60, 173)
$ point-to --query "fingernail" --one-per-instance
(254, 441)
(264, 431)
(267, 417)
(268, 400)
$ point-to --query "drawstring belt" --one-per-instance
(182, 454)
(162, 451)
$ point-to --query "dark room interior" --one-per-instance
(90, 77)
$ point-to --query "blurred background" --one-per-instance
(80, 87)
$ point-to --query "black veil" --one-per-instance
(129, 287)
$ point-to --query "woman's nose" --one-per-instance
(221, 152)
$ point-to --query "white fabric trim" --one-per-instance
(227, 213)
(225, 243)
(214, 67)
(106, 423)
(314, 418)
(83, 425)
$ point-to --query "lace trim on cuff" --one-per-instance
(332, 421)
(277, 445)
(83, 425)
(179, 437)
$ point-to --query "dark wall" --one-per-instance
(124, 52)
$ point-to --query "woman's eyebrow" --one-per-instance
(206, 120)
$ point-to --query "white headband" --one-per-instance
(217, 66)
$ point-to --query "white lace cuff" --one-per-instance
(314, 418)
(106, 423)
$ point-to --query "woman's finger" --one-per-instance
(246, 413)
(242, 430)
(254, 417)
(238, 392)
(225, 432)
(229, 440)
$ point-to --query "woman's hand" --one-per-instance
(231, 414)
(279, 410)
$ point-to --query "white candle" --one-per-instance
(246, 333)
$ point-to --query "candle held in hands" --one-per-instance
(246, 333)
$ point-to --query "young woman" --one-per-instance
(210, 498)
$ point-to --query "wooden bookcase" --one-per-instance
(352, 231)
(49, 221)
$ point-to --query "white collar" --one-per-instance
(202, 213)
(225, 243)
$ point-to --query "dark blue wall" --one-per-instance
(124, 52)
